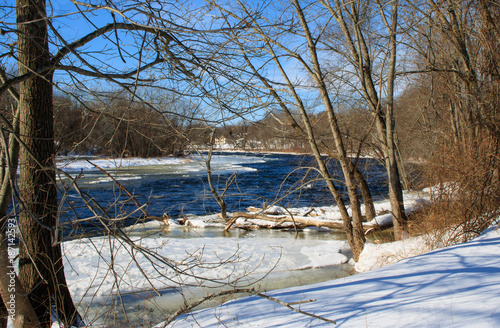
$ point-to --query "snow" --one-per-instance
(90, 274)
(455, 286)
(110, 163)
(275, 210)
(378, 255)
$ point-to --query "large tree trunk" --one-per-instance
(14, 302)
(18, 305)
(40, 262)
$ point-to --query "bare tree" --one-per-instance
(458, 47)
(263, 44)
(455, 48)
(353, 22)
(213, 189)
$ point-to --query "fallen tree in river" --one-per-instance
(299, 222)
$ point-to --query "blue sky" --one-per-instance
(102, 53)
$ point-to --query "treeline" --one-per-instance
(417, 130)
(119, 127)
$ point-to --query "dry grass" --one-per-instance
(465, 198)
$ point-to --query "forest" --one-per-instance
(413, 84)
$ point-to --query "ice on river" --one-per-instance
(97, 266)
(195, 162)
(112, 163)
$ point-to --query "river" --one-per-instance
(181, 189)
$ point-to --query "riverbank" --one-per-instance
(150, 269)
(136, 277)
(455, 286)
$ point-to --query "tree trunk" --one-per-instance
(366, 194)
(360, 56)
(308, 134)
(354, 225)
(15, 303)
(41, 271)
(218, 198)
(18, 305)
(395, 188)
(370, 212)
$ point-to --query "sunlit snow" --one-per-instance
(451, 287)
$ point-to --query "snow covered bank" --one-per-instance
(451, 287)
(378, 255)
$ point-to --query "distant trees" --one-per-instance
(114, 126)
(265, 134)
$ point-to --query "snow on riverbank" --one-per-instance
(455, 286)
(86, 162)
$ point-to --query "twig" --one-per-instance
(122, 188)
(189, 307)
(309, 212)
(289, 305)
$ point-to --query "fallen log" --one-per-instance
(253, 209)
(230, 223)
(299, 220)
(280, 219)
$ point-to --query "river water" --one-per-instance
(181, 189)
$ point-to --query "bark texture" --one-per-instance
(40, 262)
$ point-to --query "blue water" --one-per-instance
(179, 190)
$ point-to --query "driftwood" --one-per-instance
(164, 219)
(280, 219)
(298, 220)
(253, 209)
